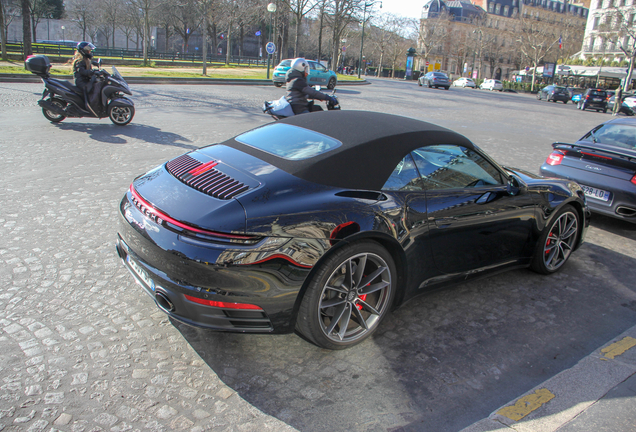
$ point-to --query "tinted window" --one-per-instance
(288, 142)
(439, 75)
(451, 166)
(285, 63)
(616, 134)
(404, 177)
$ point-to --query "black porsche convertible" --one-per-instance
(323, 223)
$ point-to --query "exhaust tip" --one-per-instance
(164, 302)
(625, 211)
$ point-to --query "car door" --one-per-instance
(317, 74)
(411, 224)
(473, 221)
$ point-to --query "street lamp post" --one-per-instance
(63, 33)
(271, 8)
(364, 21)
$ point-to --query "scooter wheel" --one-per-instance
(121, 115)
(53, 116)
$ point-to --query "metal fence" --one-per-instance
(153, 55)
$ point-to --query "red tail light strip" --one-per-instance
(596, 155)
(159, 217)
(223, 305)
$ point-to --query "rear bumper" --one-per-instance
(622, 200)
(180, 273)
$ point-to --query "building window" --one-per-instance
(506, 10)
(491, 7)
(498, 9)
(595, 23)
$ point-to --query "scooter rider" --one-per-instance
(82, 66)
(298, 91)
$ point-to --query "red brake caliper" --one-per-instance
(363, 297)
(548, 243)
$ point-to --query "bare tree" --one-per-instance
(535, 41)
(128, 22)
(110, 14)
(383, 33)
(26, 30)
(39, 9)
(146, 8)
(341, 13)
(83, 13)
(187, 19)
(299, 9)
(432, 34)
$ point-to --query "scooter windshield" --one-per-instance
(116, 73)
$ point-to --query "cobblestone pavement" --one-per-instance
(83, 349)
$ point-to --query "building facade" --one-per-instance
(610, 25)
(481, 39)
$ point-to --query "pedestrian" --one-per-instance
(618, 100)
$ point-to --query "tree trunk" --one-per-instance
(26, 29)
(322, 14)
(298, 26)
(146, 36)
(229, 44)
(33, 26)
(3, 35)
(205, 43)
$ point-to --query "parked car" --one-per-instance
(318, 74)
(491, 84)
(464, 82)
(554, 93)
(603, 162)
(593, 98)
(322, 224)
(434, 79)
(628, 109)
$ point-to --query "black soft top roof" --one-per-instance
(372, 145)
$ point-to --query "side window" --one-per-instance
(451, 167)
(313, 65)
(404, 177)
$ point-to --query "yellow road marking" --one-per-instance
(526, 405)
(618, 348)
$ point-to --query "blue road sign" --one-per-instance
(270, 47)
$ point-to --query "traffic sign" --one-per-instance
(270, 47)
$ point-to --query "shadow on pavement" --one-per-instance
(111, 134)
(441, 362)
(615, 226)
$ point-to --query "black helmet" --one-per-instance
(85, 48)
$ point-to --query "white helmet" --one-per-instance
(301, 65)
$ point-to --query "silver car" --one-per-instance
(434, 79)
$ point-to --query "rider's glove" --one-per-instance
(332, 100)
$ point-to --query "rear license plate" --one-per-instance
(596, 99)
(141, 273)
(595, 193)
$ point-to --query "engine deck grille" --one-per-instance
(205, 178)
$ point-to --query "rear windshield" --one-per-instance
(616, 134)
(440, 75)
(597, 93)
(285, 63)
(288, 142)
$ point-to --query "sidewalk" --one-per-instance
(597, 394)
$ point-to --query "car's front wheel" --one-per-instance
(557, 241)
(332, 84)
(277, 84)
(349, 295)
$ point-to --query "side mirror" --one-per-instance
(513, 186)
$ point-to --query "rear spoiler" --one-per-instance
(628, 155)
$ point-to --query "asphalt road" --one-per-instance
(82, 346)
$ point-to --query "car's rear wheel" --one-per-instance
(332, 84)
(564, 102)
(557, 241)
(277, 84)
(349, 295)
